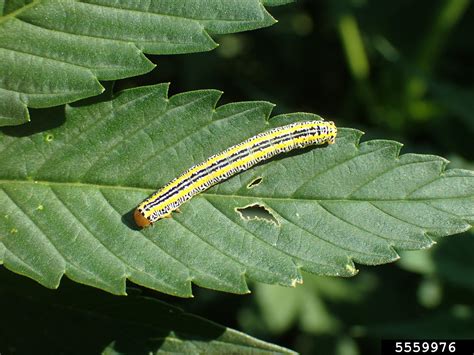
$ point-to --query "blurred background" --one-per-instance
(401, 70)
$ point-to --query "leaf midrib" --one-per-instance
(149, 191)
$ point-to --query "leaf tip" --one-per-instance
(429, 242)
(351, 269)
(297, 281)
(350, 134)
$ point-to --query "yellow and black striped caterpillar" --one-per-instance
(233, 160)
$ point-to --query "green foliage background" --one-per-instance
(396, 70)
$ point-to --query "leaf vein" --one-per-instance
(113, 110)
(211, 245)
(147, 239)
(393, 216)
(373, 178)
(262, 240)
(321, 238)
(86, 228)
(136, 130)
(174, 144)
(32, 221)
(309, 179)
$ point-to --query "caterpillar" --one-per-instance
(231, 161)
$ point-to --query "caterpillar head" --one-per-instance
(140, 218)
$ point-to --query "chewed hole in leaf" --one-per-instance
(254, 183)
(258, 212)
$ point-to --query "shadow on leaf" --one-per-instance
(41, 120)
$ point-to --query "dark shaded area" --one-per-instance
(453, 260)
(129, 221)
(49, 118)
(81, 320)
(105, 96)
(41, 120)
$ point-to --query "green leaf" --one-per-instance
(67, 195)
(111, 324)
(55, 52)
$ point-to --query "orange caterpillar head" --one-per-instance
(140, 219)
